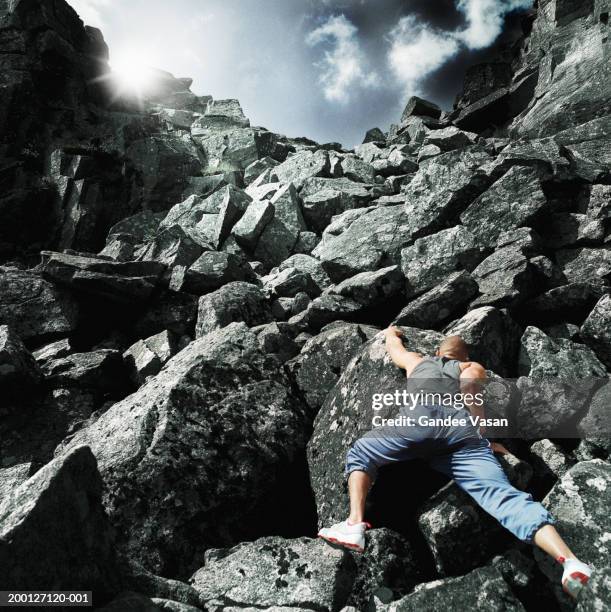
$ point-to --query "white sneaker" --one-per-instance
(344, 534)
(575, 576)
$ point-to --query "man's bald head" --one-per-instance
(454, 347)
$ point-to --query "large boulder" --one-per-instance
(323, 358)
(324, 198)
(211, 271)
(505, 278)
(492, 337)
(146, 357)
(54, 534)
(19, 371)
(372, 288)
(420, 108)
(579, 503)
(515, 200)
(205, 437)
(164, 163)
(431, 259)
(372, 241)
(443, 187)
(303, 165)
(114, 281)
(347, 414)
(273, 572)
(438, 305)
(483, 590)
(558, 377)
(236, 301)
(388, 569)
(596, 330)
(33, 307)
(597, 593)
(460, 535)
(585, 264)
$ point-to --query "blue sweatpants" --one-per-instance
(461, 454)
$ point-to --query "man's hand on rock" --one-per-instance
(393, 331)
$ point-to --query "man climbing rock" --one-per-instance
(457, 450)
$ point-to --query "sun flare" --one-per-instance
(131, 74)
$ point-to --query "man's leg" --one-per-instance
(375, 449)
(359, 484)
(476, 470)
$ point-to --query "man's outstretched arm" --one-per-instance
(401, 357)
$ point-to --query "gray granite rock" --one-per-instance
(248, 229)
(19, 371)
(443, 187)
(63, 497)
(596, 330)
(483, 590)
(33, 307)
(213, 270)
(146, 357)
(372, 288)
(275, 572)
(579, 503)
(174, 462)
(515, 200)
(372, 241)
(430, 260)
(492, 336)
(440, 304)
(323, 358)
(236, 301)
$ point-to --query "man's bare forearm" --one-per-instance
(395, 346)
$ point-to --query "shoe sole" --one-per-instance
(575, 576)
(354, 547)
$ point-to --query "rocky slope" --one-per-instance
(190, 310)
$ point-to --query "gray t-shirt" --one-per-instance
(435, 375)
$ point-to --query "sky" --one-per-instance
(326, 69)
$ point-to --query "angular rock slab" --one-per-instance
(372, 241)
(186, 457)
(492, 336)
(460, 535)
(513, 201)
(388, 565)
(54, 533)
(347, 414)
(483, 590)
(580, 504)
(237, 301)
(33, 307)
(596, 330)
(115, 281)
(439, 304)
(558, 378)
(430, 260)
(275, 572)
(18, 368)
(443, 187)
(323, 358)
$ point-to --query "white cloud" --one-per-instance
(417, 50)
(485, 19)
(90, 11)
(343, 67)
